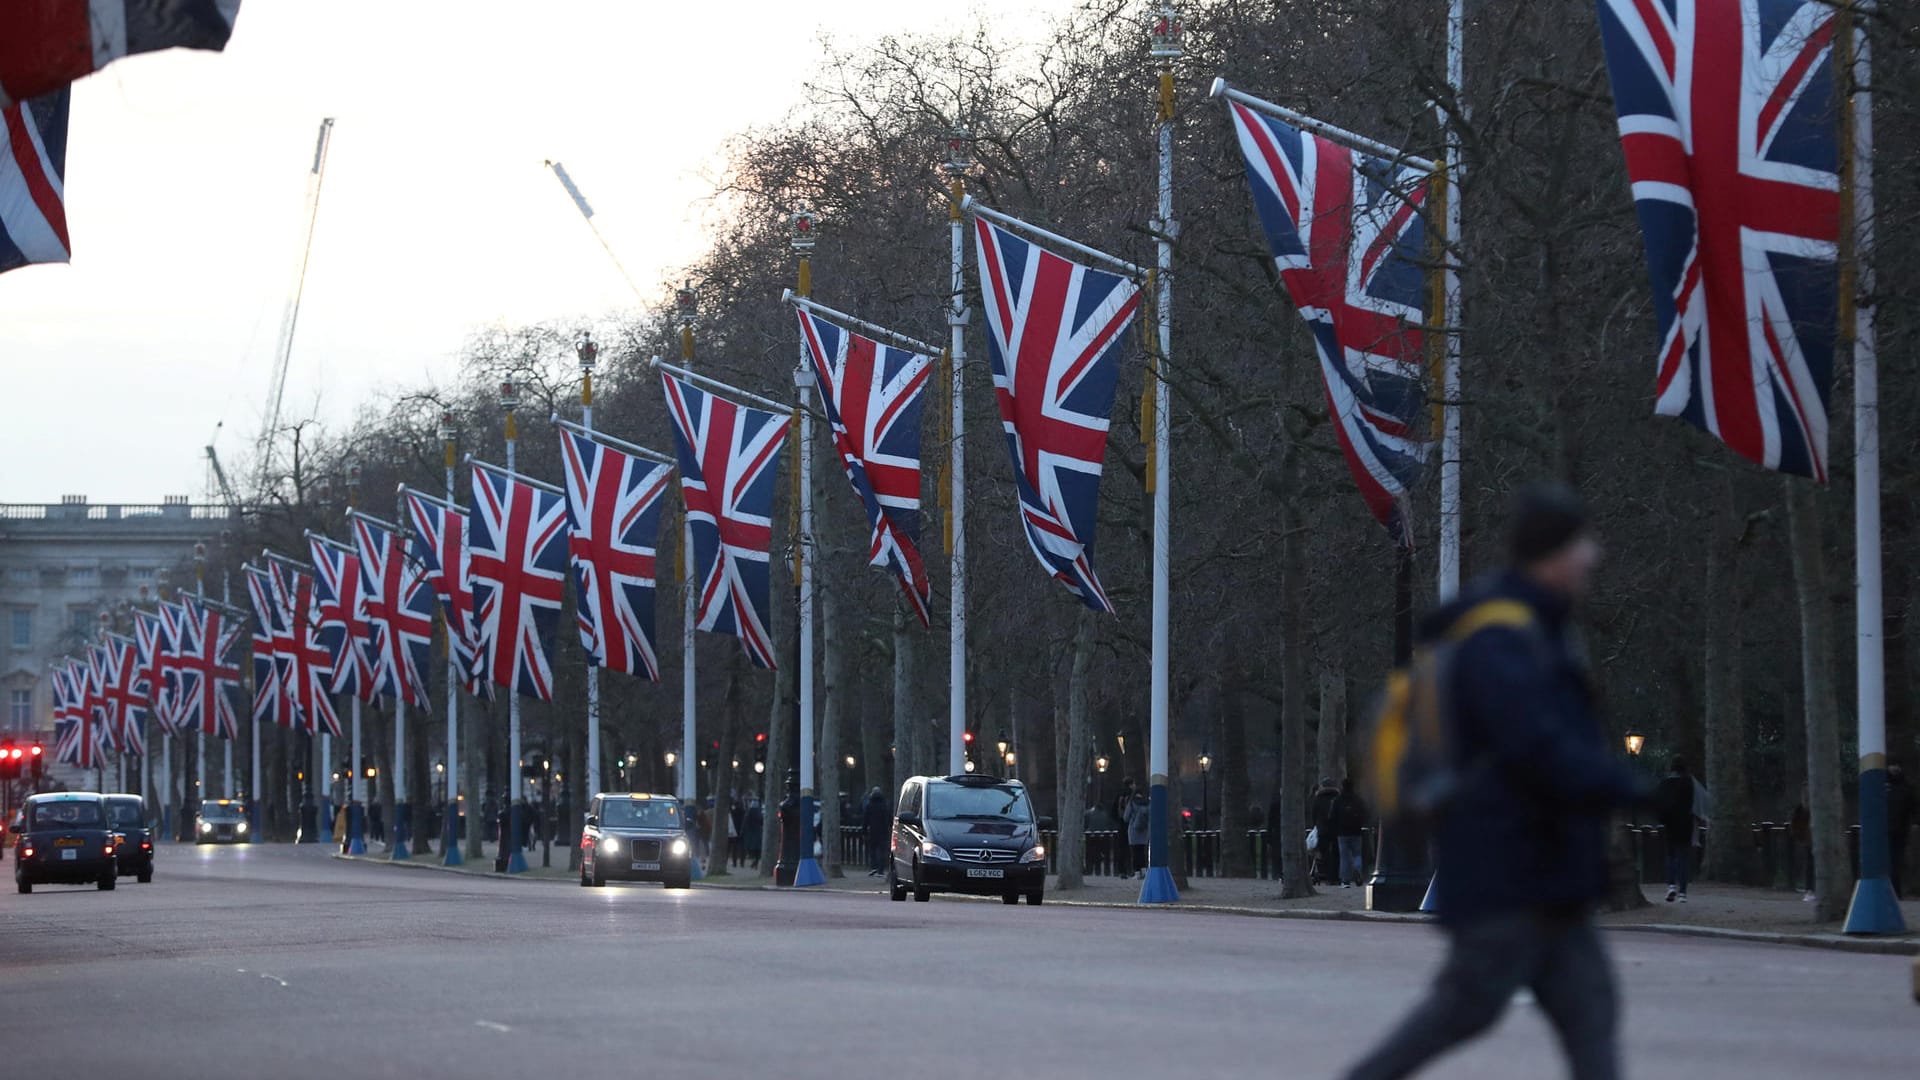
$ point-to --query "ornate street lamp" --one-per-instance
(1635, 743)
(671, 758)
(1100, 763)
(850, 761)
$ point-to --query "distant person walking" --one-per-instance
(1320, 819)
(1349, 825)
(1899, 823)
(1138, 829)
(877, 821)
(1522, 846)
(1673, 804)
(1122, 856)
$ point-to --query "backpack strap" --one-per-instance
(1489, 614)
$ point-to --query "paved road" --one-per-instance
(279, 961)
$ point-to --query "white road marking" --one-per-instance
(491, 1025)
(275, 978)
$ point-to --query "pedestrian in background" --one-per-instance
(1320, 819)
(1123, 856)
(1673, 805)
(1349, 825)
(877, 822)
(751, 822)
(1138, 830)
(1521, 846)
(1899, 824)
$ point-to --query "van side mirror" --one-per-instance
(908, 817)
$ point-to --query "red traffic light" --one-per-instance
(968, 736)
(37, 750)
(762, 737)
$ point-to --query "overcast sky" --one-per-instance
(186, 179)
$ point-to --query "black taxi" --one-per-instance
(222, 821)
(127, 814)
(65, 839)
(968, 833)
(635, 837)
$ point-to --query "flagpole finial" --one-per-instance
(802, 223)
(589, 353)
(1167, 36)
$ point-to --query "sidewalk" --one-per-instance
(1724, 911)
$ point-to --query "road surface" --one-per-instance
(284, 962)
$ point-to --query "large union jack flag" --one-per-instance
(33, 165)
(342, 627)
(153, 636)
(400, 609)
(305, 668)
(1727, 116)
(268, 695)
(1347, 233)
(729, 459)
(439, 545)
(613, 518)
(121, 694)
(1053, 329)
(50, 43)
(873, 394)
(517, 563)
(206, 674)
(78, 739)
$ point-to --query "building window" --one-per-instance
(21, 576)
(83, 575)
(83, 620)
(20, 627)
(141, 573)
(20, 709)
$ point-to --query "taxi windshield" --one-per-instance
(68, 815)
(640, 814)
(949, 802)
(216, 812)
(126, 813)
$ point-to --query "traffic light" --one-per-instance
(37, 760)
(967, 737)
(9, 761)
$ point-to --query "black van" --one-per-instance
(127, 814)
(65, 839)
(966, 834)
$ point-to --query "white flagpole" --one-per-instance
(200, 737)
(1874, 908)
(1158, 886)
(687, 301)
(226, 745)
(1450, 323)
(957, 163)
(452, 838)
(516, 860)
(807, 870)
(587, 352)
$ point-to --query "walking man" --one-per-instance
(1673, 803)
(877, 822)
(1521, 846)
(1349, 822)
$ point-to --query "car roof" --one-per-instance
(637, 796)
(65, 796)
(971, 780)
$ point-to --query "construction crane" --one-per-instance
(220, 477)
(283, 354)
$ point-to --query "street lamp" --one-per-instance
(1206, 766)
(1635, 743)
(671, 758)
(1001, 743)
(759, 767)
(850, 761)
(1100, 763)
(969, 764)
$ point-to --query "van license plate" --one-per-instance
(646, 866)
(70, 855)
(974, 871)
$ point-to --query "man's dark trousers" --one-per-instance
(1559, 958)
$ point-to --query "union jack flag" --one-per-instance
(33, 166)
(306, 670)
(343, 629)
(1347, 233)
(517, 562)
(440, 547)
(1726, 112)
(268, 695)
(50, 44)
(729, 456)
(613, 518)
(206, 674)
(400, 608)
(121, 695)
(78, 739)
(873, 395)
(1053, 328)
(153, 637)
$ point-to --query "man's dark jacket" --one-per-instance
(1528, 828)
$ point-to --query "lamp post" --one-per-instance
(1206, 767)
(516, 805)
(450, 838)
(1635, 742)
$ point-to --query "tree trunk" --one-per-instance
(474, 721)
(569, 828)
(1070, 857)
(420, 781)
(826, 754)
(1832, 876)
(729, 739)
(780, 719)
(1232, 767)
(906, 726)
(1331, 751)
(1728, 846)
(377, 736)
(875, 734)
(1293, 689)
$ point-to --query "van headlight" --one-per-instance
(610, 846)
(206, 826)
(679, 846)
(931, 850)
(1036, 853)
(242, 827)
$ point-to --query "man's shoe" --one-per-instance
(1683, 898)
(1671, 893)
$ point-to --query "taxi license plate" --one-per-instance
(974, 871)
(646, 866)
(70, 854)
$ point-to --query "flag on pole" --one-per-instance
(1727, 115)
(613, 520)
(342, 628)
(400, 609)
(33, 169)
(268, 695)
(873, 395)
(206, 674)
(729, 456)
(77, 729)
(153, 642)
(1053, 329)
(119, 694)
(517, 561)
(440, 547)
(47, 44)
(1348, 234)
(306, 670)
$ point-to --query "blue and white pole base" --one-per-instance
(517, 825)
(1158, 888)
(356, 829)
(402, 832)
(807, 871)
(1429, 905)
(450, 838)
(1875, 909)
